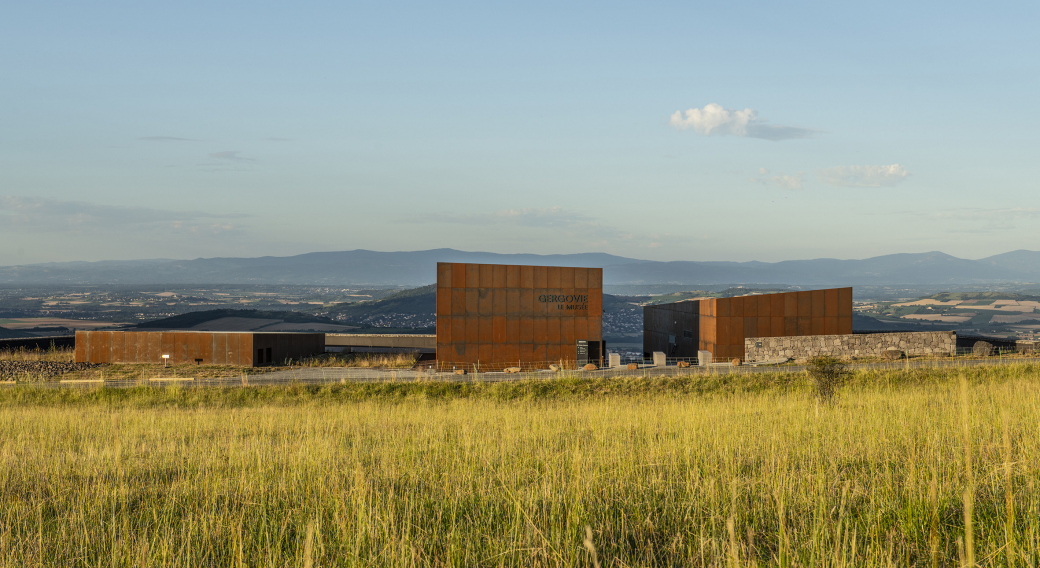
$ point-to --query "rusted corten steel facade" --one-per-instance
(496, 316)
(203, 347)
(720, 325)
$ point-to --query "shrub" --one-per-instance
(982, 349)
(827, 374)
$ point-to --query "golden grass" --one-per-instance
(894, 473)
(23, 354)
(362, 360)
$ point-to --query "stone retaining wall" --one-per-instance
(802, 348)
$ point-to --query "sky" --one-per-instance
(666, 131)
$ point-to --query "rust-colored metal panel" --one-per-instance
(458, 301)
(776, 326)
(830, 325)
(831, 302)
(498, 329)
(472, 302)
(485, 329)
(722, 307)
(581, 328)
(581, 277)
(526, 329)
(498, 279)
(484, 353)
(527, 301)
(512, 276)
(554, 277)
(552, 326)
(818, 325)
(443, 302)
(819, 303)
(736, 332)
(512, 302)
(457, 329)
(195, 348)
(443, 330)
(458, 276)
(206, 346)
(526, 353)
(245, 346)
(764, 308)
(472, 329)
(736, 307)
(527, 277)
(513, 353)
(233, 347)
(498, 301)
(776, 305)
(844, 325)
(485, 301)
(443, 275)
(219, 343)
(553, 352)
(845, 303)
(486, 279)
(750, 326)
(540, 356)
(790, 304)
(804, 326)
(764, 327)
(541, 330)
(472, 276)
(567, 278)
(541, 277)
(804, 304)
(596, 278)
(790, 325)
(722, 330)
(512, 329)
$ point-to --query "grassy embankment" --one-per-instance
(920, 467)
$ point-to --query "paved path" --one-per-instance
(330, 375)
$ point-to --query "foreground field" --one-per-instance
(921, 468)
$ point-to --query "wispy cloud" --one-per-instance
(863, 176)
(715, 120)
(167, 139)
(34, 214)
(981, 220)
(785, 181)
(231, 156)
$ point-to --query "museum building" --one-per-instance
(492, 316)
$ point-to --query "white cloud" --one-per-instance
(863, 176)
(785, 181)
(714, 120)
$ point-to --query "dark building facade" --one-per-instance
(246, 349)
(720, 325)
(492, 316)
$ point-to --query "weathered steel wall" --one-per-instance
(205, 347)
(499, 316)
(720, 325)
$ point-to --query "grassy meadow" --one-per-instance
(918, 467)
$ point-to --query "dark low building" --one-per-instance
(720, 325)
(249, 349)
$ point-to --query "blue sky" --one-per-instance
(666, 131)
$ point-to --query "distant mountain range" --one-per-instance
(371, 268)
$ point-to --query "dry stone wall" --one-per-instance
(802, 348)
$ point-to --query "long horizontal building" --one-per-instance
(250, 349)
(720, 325)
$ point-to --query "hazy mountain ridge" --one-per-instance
(416, 268)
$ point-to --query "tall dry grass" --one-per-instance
(890, 474)
(57, 354)
(362, 360)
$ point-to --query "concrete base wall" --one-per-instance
(802, 348)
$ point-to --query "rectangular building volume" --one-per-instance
(720, 325)
(492, 316)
